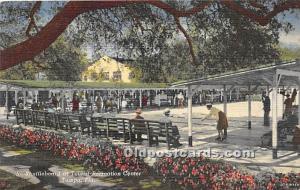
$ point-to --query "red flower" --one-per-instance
(175, 170)
(202, 179)
(185, 168)
(194, 171)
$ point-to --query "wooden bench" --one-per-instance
(162, 132)
(20, 116)
(139, 129)
(85, 125)
(38, 118)
(99, 127)
(74, 123)
(27, 116)
(124, 128)
(51, 120)
(63, 122)
(111, 127)
(68, 122)
(154, 131)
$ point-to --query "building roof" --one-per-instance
(261, 76)
(44, 84)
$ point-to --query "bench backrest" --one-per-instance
(50, 120)
(74, 120)
(63, 121)
(28, 119)
(20, 115)
(99, 122)
(38, 118)
(139, 126)
(123, 125)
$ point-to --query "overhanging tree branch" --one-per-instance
(32, 23)
(189, 40)
(262, 20)
(33, 46)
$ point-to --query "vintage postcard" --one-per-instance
(150, 94)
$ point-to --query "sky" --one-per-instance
(292, 39)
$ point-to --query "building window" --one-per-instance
(106, 75)
(117, 75)
(94, 76)
(131, 75)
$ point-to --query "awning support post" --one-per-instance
(282, 105)
(24, 98)
(140, 98)
(298, 100)
(268, 91)
(249, 107)
(190, 125)
(16, 97)
(93, 100)
(36, 95)
(274, 117)
(159, 98)
(200, 98)
(221, 97)
(225, 99)
(63, 101)
(118, 100)
(6, 102)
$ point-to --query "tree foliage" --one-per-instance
(151, 33)
(287, 54)
(60, 61)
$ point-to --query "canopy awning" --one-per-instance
(261, 76)
(79, 85)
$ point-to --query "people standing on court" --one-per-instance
(34, 105)
(89, 102)
(99, 103)
(54, 101)
(222, 123)
(75, 104)
(289, 103)
(144, 100)
(180, 98)
(267, 108)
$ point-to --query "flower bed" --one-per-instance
(203, 173)
(186, 173)
(94, 155)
